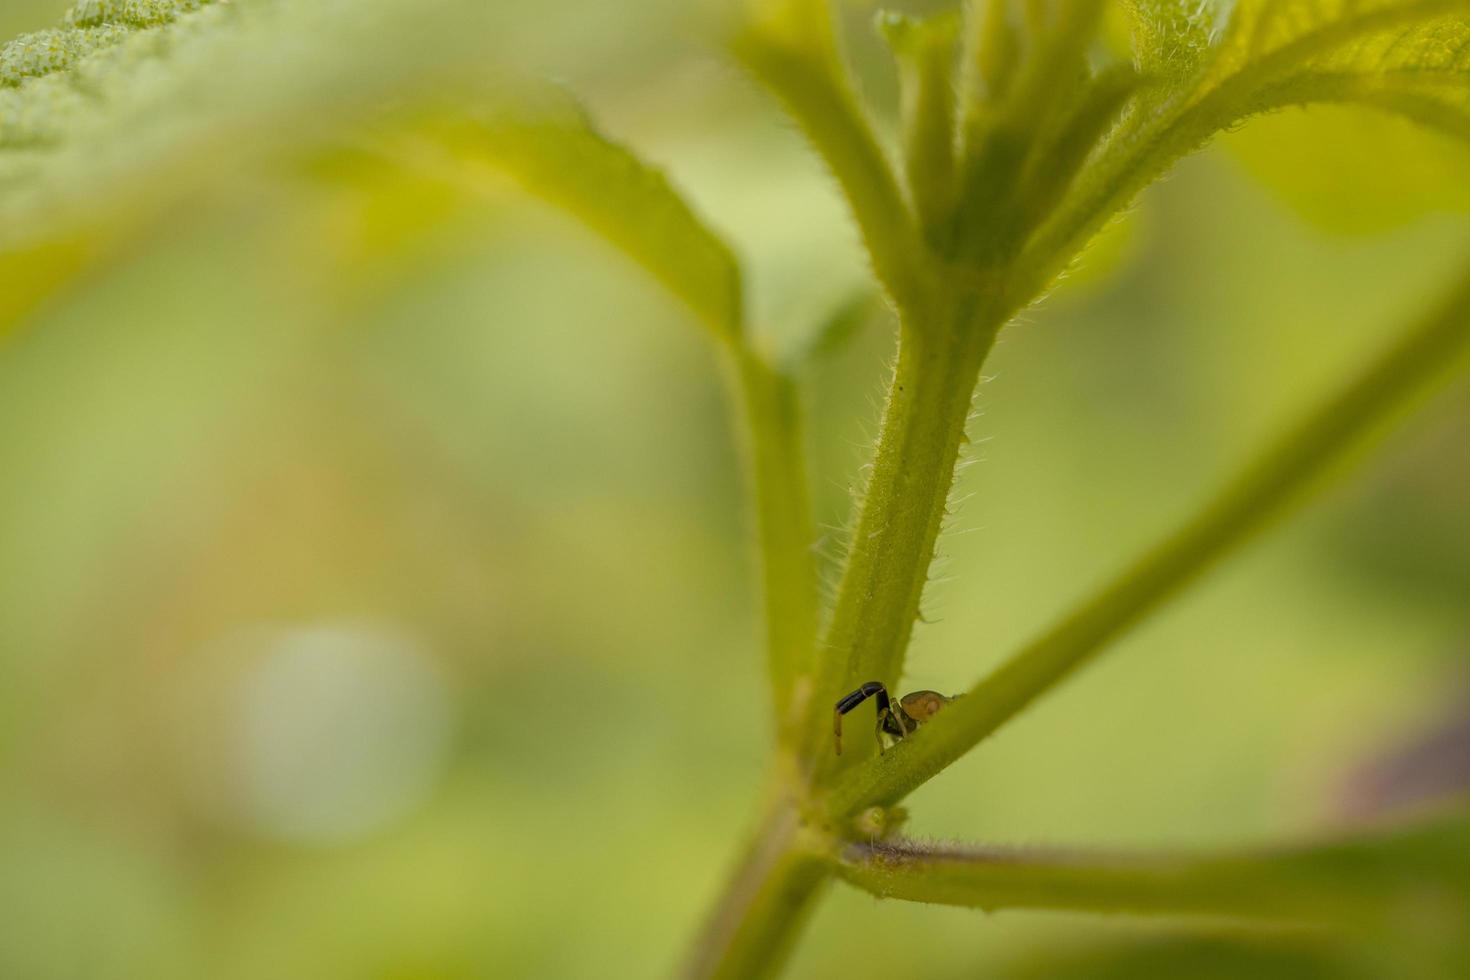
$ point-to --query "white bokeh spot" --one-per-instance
(339, 730)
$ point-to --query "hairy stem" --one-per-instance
(764, 906)
(893, 539)
(1248, 503)
(1351, 880)
(806, 73)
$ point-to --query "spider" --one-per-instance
(911, 712)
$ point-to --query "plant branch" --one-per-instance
(1353, 880)
(924, 53)
(893, 538)
(764, 907)
(543, 140)
(784, 528)
(1246, 505)
(804, 70)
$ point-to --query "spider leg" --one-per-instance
(872, 689)
(901, 717)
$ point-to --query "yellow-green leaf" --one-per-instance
(1381, 56)
(1352, 171)
(1270, 34)
(33, 272)
(1171, 37)
(548, 145)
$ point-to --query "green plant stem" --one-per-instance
(764, 906)
(784, 529)
(904, 506)
(1352, 880)
(924, 52)
(1247, 504)
(817, 91)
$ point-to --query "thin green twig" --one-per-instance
(1353, 880)
(773, 889)
(803, 68)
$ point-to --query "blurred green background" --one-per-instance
(375, 599)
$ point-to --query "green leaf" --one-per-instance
(33, 272)
(137, 13)
(1354, 171)
(1171, 37)
(52, 81)
(1420, 69)
(188, 93)
(1266, 37)
(50, 51)
(1369, 880)
(546, 143)
(1402, 56)
(95, 25)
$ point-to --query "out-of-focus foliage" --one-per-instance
(54, 80)
(1354, 170)
(48, 52)
(1214, 65)
(545, 142)
(374, 603)
(1196, 959)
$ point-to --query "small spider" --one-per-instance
(911, 711)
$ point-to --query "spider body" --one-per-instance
(896, 719)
